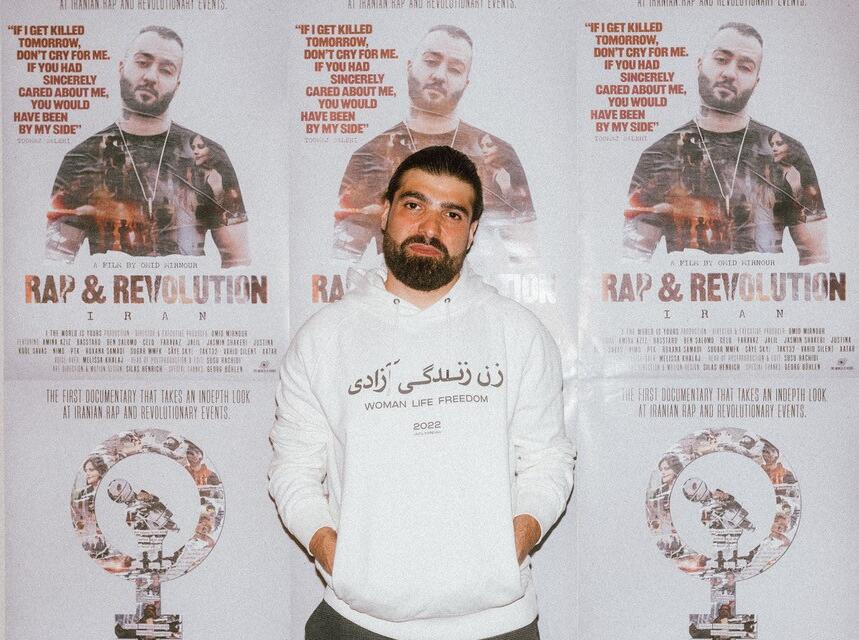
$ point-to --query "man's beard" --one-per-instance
(445, 106)
(709, 99)
(153, 108)
(423, 273)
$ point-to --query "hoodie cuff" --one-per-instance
(309, 519)
(534, 505)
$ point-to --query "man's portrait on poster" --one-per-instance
(724, 183)
(146, 186)
(438, 74)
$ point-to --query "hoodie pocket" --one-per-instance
(322, 572)
(427, 533)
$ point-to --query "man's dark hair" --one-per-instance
(164, 32)
(453, 32)
(743, 29)
(441, 161)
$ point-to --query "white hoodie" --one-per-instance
(418, 435)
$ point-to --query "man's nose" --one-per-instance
(430, 224)
(729, 71)
(151, 74)
(439, 74)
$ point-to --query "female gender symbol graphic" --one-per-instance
(726, 521)
(150, 521)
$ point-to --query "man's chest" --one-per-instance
(405, 386)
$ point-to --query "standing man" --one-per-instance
(438, 74)
(724, 183)
(419, 447)
(134, 187)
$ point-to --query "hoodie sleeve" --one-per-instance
(545, 457)
(300, 440)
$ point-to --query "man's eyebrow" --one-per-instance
(441, 54)
(417, 195)
(735, 54)
(152, 56)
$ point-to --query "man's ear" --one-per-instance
(385, 213)
(472, 231)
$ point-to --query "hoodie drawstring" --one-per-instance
(395, 339)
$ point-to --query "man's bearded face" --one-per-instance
(728, 72)
(722, 95)
(149, 74)
(424, 273)
(142, 98)
(438, 74)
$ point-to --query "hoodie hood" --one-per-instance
(366, 288)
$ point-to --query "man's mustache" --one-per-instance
(436, 86)
(433, 242)
(148, 88)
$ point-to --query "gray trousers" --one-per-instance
(326, 624)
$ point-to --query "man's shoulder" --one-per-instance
(764, 132)
(324, 323)
(525, 334)
(189, 134)
(467, 129)
(755, 126)
(515, 316)
(670, 139)
(94, 140)
(185, 132)
(379, 142)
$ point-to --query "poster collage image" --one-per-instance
(191, 186)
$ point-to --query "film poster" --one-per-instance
(145, 233)
(716, 326)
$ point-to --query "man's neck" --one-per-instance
(424, 121)
(421, 299)
(139, 124)
(721, 121)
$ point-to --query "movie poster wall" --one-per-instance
(697, 282)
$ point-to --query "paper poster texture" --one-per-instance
(716, 323)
